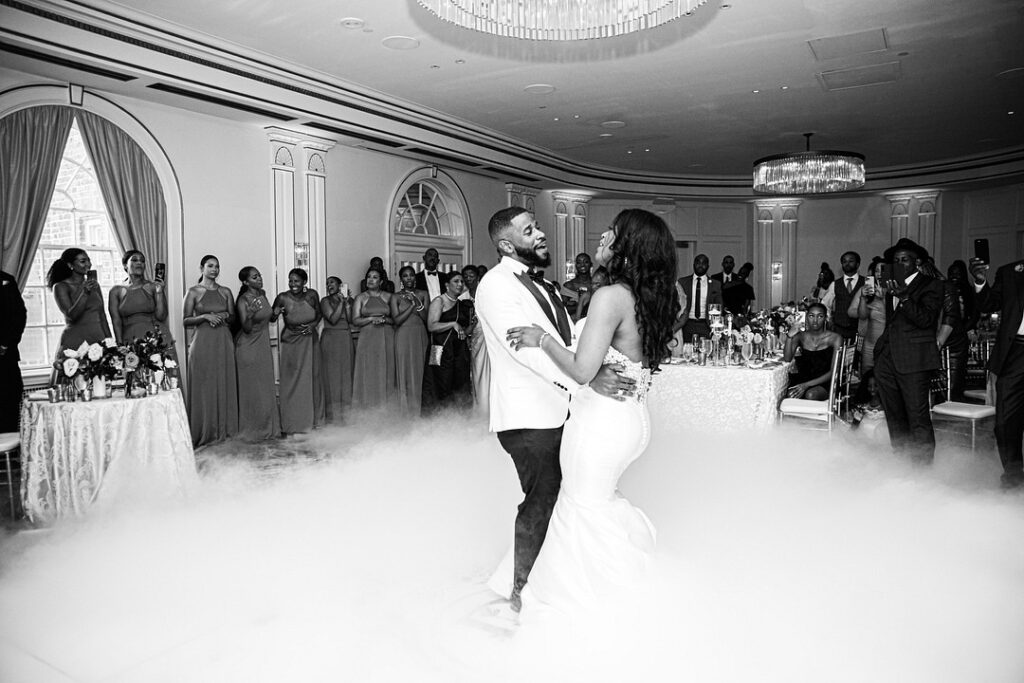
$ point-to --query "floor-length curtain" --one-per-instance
(130, 187)
(32, 144)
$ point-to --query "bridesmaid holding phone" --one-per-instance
(79, 298)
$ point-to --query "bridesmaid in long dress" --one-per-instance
(336, 349)
(258, 417)
(79, 298)
(139, 306)
(212, 387)
(373, 383)
(302, 399)
(409, 311)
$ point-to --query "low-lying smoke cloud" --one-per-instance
(363, 557)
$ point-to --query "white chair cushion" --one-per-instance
(971, 411)
(9, 441)
(804, 407)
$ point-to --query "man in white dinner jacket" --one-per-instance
(529, 395)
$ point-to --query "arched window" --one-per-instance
(429, 211)
(77, 218)
(422, 211)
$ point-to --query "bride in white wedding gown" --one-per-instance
(597, 542)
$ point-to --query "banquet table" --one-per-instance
(717, 398)
(105, 451)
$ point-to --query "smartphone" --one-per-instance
(869, 281)
(899, 273)
(160, 271)
(343, 290)
(91, 275)
(884, 272)
(981, 250)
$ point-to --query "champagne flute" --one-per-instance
(747, 351)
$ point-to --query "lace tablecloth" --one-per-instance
(717, 398)
(75, 455)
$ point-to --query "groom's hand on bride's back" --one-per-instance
(610, 383)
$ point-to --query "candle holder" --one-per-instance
(152, 389)
(86, 395)
(54, 395)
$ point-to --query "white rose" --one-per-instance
(69, 353)
(83, 350)
(156, 360)
(70, 366)
(95, 352)
(170, 364)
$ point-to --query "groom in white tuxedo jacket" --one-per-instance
(529, 395)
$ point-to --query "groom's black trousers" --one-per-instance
(535, 454)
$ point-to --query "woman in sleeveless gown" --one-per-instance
(597, 543)
(869, 306)
(212, 388)
(80, 299)
(409, 310)
(336, 350)
(814, 364)
(140, 306)
(450, 321)
(258, 415)
(373, 382)
(302, 398)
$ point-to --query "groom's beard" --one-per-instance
(532, 259)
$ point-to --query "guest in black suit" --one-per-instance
(700, 292)
(738, 295)
(12, 324)
(841, 295)
(430, 279)
(906, 354)
(726, 276)
(1006, 295)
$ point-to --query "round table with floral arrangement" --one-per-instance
(125, 436)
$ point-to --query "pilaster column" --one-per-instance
(775, 235)
(915, 215)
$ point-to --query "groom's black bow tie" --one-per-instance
(536, 276)
(431, 272)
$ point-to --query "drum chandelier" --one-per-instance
(560, 19)
(808, 172)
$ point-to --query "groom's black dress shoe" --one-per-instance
(515, 601)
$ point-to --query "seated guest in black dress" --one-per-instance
(814, 364)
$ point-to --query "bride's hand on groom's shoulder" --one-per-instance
(608, 382)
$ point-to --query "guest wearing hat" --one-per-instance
(906, 353)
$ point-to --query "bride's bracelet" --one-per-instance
(540, 343)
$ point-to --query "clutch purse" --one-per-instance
(435, 354)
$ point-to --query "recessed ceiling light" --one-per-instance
(902, 54)
(785, 87)
(575, 116)
(400, 43)
(755, 91)
(1010, 113)
(647, 149)
(629, 151)
(435, 66)
(539, 89)
(556, 118)
(460, 61)
(352, 23)
(605, 135)
(613, 124)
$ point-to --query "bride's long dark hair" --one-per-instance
(644, 259)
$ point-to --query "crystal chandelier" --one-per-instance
(560, 19)
(809, 172)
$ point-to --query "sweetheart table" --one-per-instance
(104, 451)
(712, 398)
